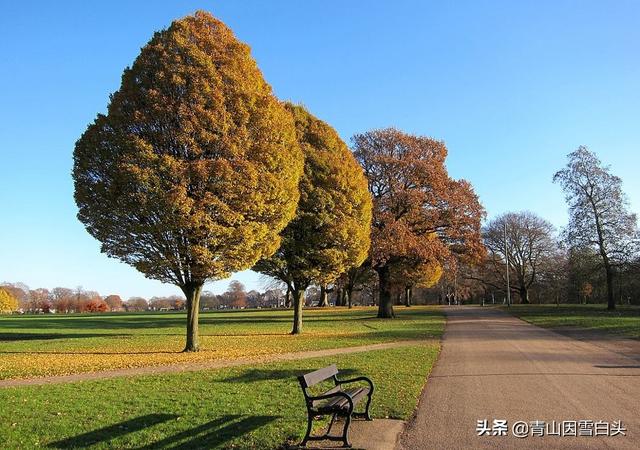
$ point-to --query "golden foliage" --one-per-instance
(331, 230)
(193, 172)
(420, 275)
(8, 303)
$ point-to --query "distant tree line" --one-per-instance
(18, 297)
(594, 259)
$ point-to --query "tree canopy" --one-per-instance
(530, 246)
(420, 214)
(599, 214)
(330, 232)
(193, 171)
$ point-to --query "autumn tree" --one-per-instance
(530, 243)
(137, 304)
(599, 214)
(21, 293)
(419, 212)
(407, 275)
(96, 305)
(40, 300)
(114, 302)
(354, 280)
(330, 232)
(209, 300)
(62, 299)
(193, 171)
(8, 303)
(236, 295)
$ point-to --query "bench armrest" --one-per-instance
(352, 380)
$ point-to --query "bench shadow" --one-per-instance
(212, 433)
(207, 435)
(112, 431)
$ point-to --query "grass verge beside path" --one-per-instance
(624, 321)
(46, 345)
(257, 407)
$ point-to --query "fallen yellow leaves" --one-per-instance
(131, 353)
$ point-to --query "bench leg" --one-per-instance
(309, 426)
(333, 420)
(345, 433)
(366, 411)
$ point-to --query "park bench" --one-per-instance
(337, 402)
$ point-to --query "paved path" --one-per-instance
(215, 364)
(494, 366)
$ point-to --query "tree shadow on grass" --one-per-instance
(112, 431)
(11, 337)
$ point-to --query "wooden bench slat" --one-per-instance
(319, 375)
(356, 395)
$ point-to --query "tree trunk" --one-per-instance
(324, 296)
(287, 299)
(192, 293)
(298, 303)
(348, 293)
(524, 295)
(343, 297)
(611, 300)
(385, 302)
(407, 296)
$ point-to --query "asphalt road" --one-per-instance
(496, 367)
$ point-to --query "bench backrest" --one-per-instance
(318, 376)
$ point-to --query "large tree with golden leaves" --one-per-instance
(330, 233)
(420, 214)
(194, 170)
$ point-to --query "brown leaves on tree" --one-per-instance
(420, 214)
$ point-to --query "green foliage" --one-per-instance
(8, 303)
(193, 171)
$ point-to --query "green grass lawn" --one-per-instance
(624, 321)
(257, 407)
(42, 345)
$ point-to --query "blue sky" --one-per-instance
(511, 87)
